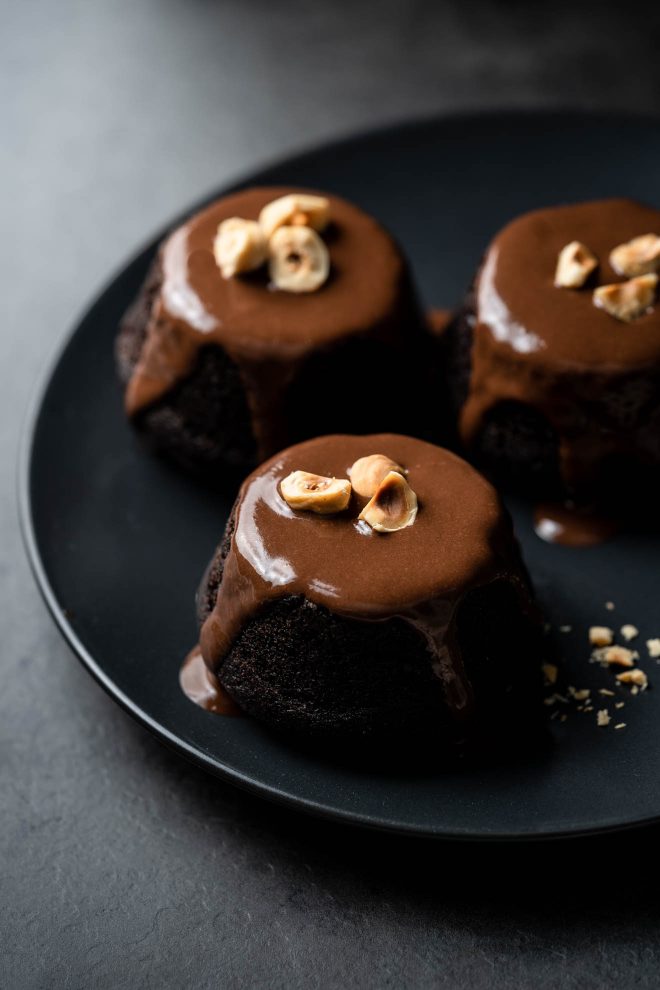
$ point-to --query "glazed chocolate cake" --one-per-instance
(227, 357)
(554, 360)
(371, 586)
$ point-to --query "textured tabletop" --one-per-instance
(120, 864)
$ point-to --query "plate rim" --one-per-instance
(30, 423)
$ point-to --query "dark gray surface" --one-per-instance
(121, 865)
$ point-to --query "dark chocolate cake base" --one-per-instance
(204, 423)
(517, 446)
(307, 672)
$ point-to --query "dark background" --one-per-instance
(121, 865)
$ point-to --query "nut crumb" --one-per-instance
(574, 265)
(550, 672)
(600, 635)
(588, 708)
(620, 725)
(610, 606)
(629, 631)
(607, 692)
(562, 718)
(566, 629)
(582, 694)
(653, 646)
(636, 677)
(603, 717)
(619, 656)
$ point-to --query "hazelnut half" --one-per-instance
(239, 246)
(637, 257)
(393, 505)
(574, 265)
(315, 493)
(368, 472)
(627, 300)
(296, 209)
(299, 260)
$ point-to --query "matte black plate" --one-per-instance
(118, 541)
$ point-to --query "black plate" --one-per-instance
(118, 541)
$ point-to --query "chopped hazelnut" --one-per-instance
(637, 257)
(239, 246)
(298, 259)
(368, 472)
(600, 636)
(603, 717)
(636, 676)
(582, 694)
(627, 300)
(393, 506)
(653, 646)
(315, 493)
(629, 632)
(574, 265)
(618, 656)
(295, 210)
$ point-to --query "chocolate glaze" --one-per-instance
(595, 380)
(267, 333)
(571, 526)
(203, 688)
(461, 540)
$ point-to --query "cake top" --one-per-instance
(256, 323)
(454, 536)
(519, 301)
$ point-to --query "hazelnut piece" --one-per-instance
(368, 472)
(637, 257)
(619, 656)
(315, 493)
(299, 260)
(627, 300)
(296, 209)
(393, 505)
(574, 265)
(635, 676)
(239, 246)
(600, 636)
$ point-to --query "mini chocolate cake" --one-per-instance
(368, 587)
(554, 360)
(225, 362)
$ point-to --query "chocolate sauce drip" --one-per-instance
(203, 688)
(269, 334)
(595, 380)
(461, 540)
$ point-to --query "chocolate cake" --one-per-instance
(369, 587)
(553, 362)
(228, 354)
